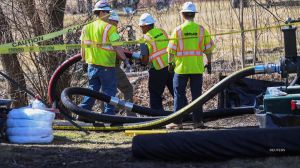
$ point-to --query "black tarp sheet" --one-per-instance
(244, 92)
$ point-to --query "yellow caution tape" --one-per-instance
(45, 37)
(12, 49)
(41, 38)
(61, 47)
(44, 48)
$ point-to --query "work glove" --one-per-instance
(136, 55)
(171, 67)
(208, 67)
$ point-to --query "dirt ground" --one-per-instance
(113, 149)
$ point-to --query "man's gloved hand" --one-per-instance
(171, 67)
(136, 55)
(208, 67)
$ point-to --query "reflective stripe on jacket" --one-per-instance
(158, 55)
(192, 40)
(100, 32)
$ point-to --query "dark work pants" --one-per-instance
(158, 80)
(124, 85)
(179, 83)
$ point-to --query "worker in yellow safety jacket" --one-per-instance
(155, 53)
(101, 59)
(189, 42)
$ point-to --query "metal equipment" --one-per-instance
(281, 105)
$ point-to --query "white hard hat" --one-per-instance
(189, 7)
(146, 19)
(114, 16)
(102, 5)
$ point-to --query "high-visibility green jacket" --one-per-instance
(100, 32)
(158, 55)
(190, 41)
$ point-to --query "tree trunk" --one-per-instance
(232, 42)
(53, 22)
(11, 65)
(80, 6)
(53, 17)
(89, 7)
(254, 17)
(242, 34)
(56, 20)
(31, 12)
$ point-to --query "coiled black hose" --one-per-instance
(95, 116)
(53, 95)
(65, 97)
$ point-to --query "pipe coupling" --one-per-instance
(269, 68)
(128, 106)
(114, 101)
